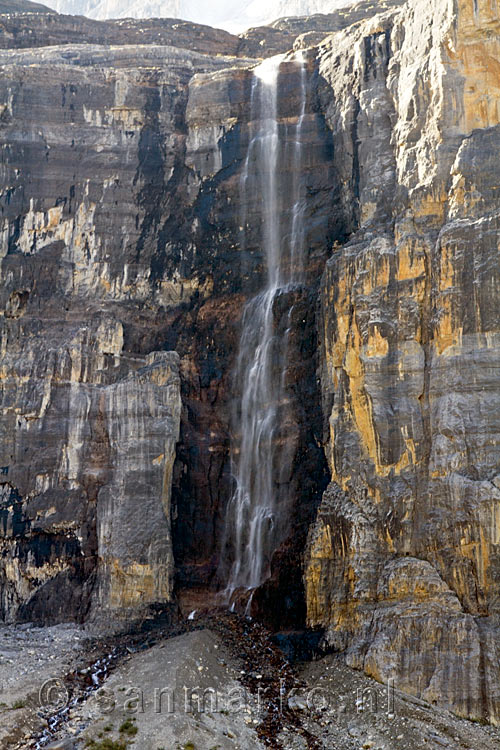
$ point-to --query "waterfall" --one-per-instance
(257, 515)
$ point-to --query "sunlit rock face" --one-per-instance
(403, 561)
(123, 285)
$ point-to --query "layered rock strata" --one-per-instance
(403, 561)
(29, 25)
(90, 393)
(120, 222)
(123, 284)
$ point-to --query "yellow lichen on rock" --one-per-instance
(360, 401)
(321, 549)
(137, 584)
(447, 271)
(411, 261)
(448, 334)
(377, 345)
(476, 55)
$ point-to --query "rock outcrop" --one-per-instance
(23, 6)
(18, 31)
(90, 397)
(403, 561)
(123, 285)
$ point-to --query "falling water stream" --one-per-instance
(257, 513)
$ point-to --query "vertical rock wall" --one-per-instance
(120, 219)
(403, 561)
(123, 282)
(90, 393)
(219, 130)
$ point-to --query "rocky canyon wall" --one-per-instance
(123, 282)
(91, 155)
(403, 560)
(123, 287)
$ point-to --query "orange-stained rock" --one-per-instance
(408, 584)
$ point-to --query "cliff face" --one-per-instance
(120, 224)
(123, 285)
(403, 561)
(90, 397)
(219, 126)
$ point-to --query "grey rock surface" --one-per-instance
(403, 560)
(23, 6)
(119, 223)
(189, 690)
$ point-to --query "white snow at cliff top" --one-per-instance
(235, 16)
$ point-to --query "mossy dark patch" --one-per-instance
(128, 727)
(106, 744)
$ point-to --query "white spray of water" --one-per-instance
(255, 519)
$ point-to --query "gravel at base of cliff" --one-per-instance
(213, 696)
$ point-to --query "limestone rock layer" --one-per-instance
(123, 281)
(403, 561)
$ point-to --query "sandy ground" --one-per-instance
(191, 692)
